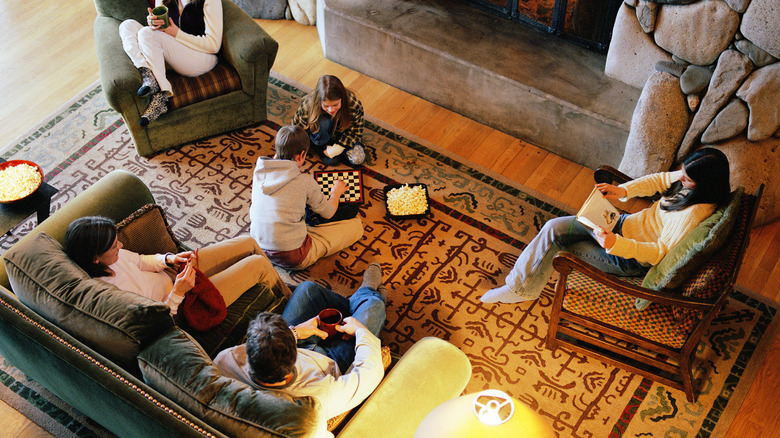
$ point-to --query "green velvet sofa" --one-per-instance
(120, 359)
(246, 50)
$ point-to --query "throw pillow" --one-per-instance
(695, 248)
(146, 231)
(113, 322)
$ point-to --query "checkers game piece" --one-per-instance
(353, 178)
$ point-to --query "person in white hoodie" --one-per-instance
(281, 193)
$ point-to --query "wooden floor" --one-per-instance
(49, 56)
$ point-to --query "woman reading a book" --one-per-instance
(638, 241)
(188, 44)
(333, 118)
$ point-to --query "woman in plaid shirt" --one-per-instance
(333, 118)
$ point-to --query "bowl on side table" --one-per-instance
(39, 200)
(18, 180)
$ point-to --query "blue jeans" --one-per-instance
(366, 305)
(323, 138)
(534, 265)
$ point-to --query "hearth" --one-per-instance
(585, 22)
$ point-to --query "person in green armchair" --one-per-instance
(189, 45)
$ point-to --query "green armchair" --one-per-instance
(241, 79)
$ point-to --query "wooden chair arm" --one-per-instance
(564, 262)
(610, 175)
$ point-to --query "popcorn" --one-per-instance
(18, 181)
(406, 200)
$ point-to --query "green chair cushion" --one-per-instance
(113, 322)
(695, 248)
(177, 367)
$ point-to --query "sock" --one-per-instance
(149, 83)
(157, 107)
(373, 276)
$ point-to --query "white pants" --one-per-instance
(152, 49)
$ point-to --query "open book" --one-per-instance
(597, 211)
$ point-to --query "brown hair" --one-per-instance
(291, 140)
(270, 348)
(329, 88)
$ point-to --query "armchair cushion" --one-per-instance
(220, 80)
(116, 323)
(592, 299)
(695, 248)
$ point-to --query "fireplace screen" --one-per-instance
(585, 22)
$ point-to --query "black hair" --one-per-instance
(270, 348)
(89, 237)
(709, 169)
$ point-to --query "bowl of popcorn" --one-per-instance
(407, 201)
(18, 180)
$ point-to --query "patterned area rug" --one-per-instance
(436, 267)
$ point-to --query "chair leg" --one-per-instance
(687, 378)
(552, 329)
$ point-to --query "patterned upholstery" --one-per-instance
(664, 324)
(220, 80)
(595, 300)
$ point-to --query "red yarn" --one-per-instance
(203, 306)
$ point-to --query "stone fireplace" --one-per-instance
(529, 84)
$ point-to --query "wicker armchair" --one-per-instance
(596, 314)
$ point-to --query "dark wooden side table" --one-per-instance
(14, 213)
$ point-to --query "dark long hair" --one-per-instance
(709, 169)
(270, 348)
(88, 237)
(329, 87)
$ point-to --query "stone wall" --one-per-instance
(710, 75)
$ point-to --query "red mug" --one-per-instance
(327, 321)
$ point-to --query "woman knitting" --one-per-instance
(638, 241)
(233, 265)
(333, 118)
(189, 45)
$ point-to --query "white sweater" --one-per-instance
(142, 274)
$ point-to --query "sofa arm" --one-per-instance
(244, 41)
(430, 373)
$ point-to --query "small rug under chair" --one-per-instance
(436, 268)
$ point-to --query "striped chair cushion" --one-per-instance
(592, 299)
(187, 90)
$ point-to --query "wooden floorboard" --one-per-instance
(48, 57)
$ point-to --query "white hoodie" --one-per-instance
(280, 193)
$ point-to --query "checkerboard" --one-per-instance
(353, 178)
